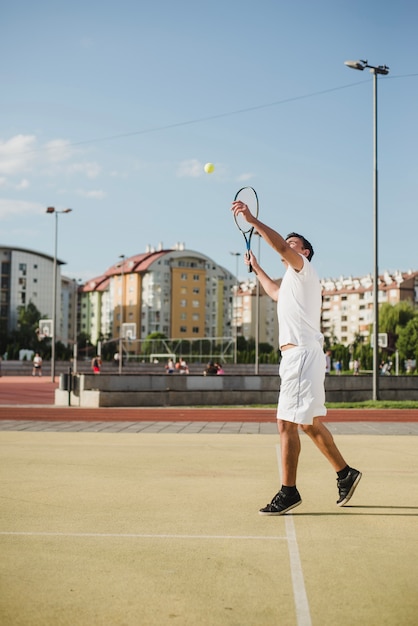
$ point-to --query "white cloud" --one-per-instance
(24, 164)
(117, 174)
(96, 194)
(24, 184)
(14, 208)
(16, 154)
(192, 168)
(244, 177)
(58, 150)
(90, 170)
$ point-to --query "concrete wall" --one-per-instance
(359, 388)
(165, 390)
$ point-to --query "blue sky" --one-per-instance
(113, 108)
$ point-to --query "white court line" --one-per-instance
(140, 536)
(303, 615)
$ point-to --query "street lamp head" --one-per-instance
(361, 65)
(52, 209)
(235, 253)
(356, 65)
(380, 69)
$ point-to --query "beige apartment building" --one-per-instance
(252, 307)
(177, 292)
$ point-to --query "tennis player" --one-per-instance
(302, 368)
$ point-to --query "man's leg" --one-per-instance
(324, 441)
(348, 477)
(288, 497)
(290, 450)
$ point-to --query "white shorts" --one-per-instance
(302, 391)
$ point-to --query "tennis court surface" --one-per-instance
(154, 529)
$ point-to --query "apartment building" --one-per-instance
(178, 292)
(347, 303)
(252, 307)
(27, 276)
(182, 294)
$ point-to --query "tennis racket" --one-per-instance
(248, 196)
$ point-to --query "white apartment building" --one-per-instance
(347, 303)
(27, 276)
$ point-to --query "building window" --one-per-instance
(195, 330)
(196, 276)
(183, 329)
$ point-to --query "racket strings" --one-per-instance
(248, 196)
(242, 224)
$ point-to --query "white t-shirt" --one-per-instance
(299, 306)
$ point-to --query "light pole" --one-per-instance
(257, 313)
(375, 70)
(51, 209)
(122, 257)
(235, 308)
(75, 345)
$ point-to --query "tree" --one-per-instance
(341, 353)
(407, 343)
(393, 317)
(26, 335)
(154, 343)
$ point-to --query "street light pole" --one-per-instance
(257, 314)
(234, 308)
(122, 257)
(51, 209)
(375, 70)
(75, 345)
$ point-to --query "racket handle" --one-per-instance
(250, 268)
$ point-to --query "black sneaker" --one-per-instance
(347, 486)
(281, 504)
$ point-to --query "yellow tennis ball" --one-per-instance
(209, 168)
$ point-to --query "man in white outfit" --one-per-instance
(302, 368)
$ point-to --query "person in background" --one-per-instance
(37, 365)
(328, 362)
(96, 364)
(183, 367)
(169, 368)
(211, 369)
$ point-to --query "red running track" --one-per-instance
(32, 398)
